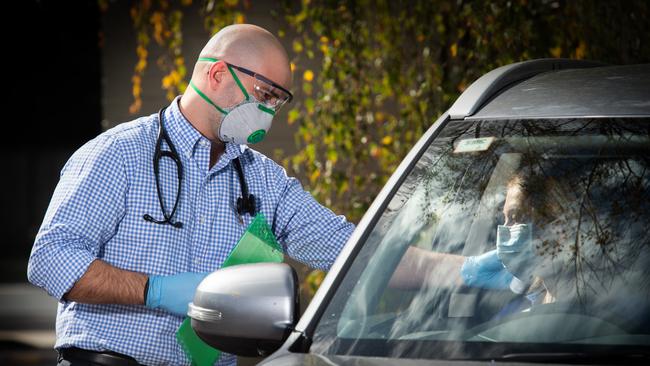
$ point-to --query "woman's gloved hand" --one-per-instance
(486, 271)
(173, 293)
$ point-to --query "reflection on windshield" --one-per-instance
(506, 235)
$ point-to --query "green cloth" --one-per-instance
(258, 244)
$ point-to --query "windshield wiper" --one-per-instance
(622, 357)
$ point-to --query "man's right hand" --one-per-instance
(173, 293)
(486, 271)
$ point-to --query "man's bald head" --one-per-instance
(251, 47)
(217, 86)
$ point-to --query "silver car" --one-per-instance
(516, 230)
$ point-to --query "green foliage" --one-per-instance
(385, 70)
(160, 21)
(389, 69)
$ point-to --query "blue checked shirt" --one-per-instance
(97, 213)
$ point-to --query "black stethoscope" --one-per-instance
(245, 204)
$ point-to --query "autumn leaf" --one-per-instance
(581, 50)
(308, 75)
(297, 46)
(293, 116)
(556, 52)
(453, 49)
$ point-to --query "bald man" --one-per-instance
(145, 210)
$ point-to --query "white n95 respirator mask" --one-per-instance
(246, 123)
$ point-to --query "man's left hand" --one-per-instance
(173, 293)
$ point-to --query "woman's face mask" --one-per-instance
(515, 249)
(526, 257)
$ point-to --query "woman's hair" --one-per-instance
(545, 197)
(546, 201)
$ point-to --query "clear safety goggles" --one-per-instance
(266, 91)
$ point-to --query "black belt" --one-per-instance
(103, 358)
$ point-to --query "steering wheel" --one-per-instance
(545, 323)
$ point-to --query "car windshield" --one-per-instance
(506, 237)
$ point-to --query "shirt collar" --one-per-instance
(185, 137)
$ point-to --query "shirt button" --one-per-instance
(202, 219)
(197, 261)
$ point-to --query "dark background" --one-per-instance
(54, 105)
(52, 69)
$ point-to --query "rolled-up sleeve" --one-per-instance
(309, 232)
(84, 212)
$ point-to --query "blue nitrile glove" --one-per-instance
(173, 293)
(486, 271)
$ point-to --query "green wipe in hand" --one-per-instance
(199, 352)
(257, 245)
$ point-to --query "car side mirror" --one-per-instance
(248, 310)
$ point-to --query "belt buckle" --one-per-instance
(105, 358)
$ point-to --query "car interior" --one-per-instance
(603, 173)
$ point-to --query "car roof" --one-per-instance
(557, 88)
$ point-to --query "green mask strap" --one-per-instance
(205, 97)
(268, 110)
(234, 76)
(241, 87)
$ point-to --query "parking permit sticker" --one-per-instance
(472, 145)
